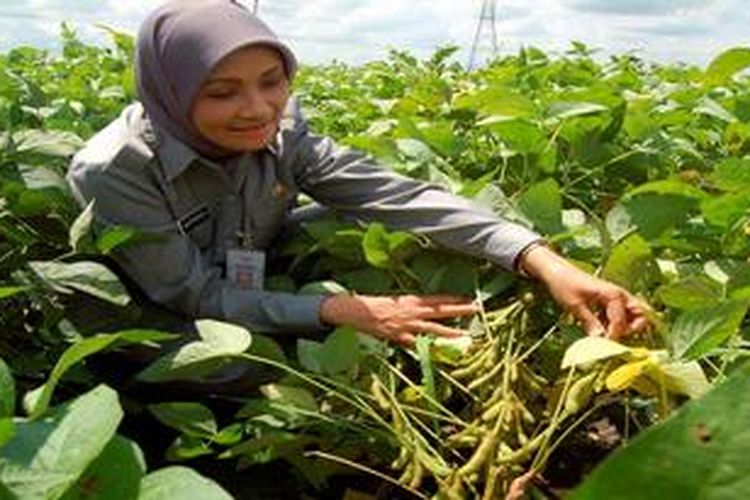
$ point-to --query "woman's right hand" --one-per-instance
(398, 318)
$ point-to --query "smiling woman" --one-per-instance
(212, 160)
(240, 105)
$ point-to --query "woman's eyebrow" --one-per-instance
(232, 79)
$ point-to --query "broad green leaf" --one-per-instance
(542, 204)
(340, 351)
(668, 187)
(296, 397)
(7, 391)
(10, 291)
(189, 418)
(697, 331)
(80, 236)
(308, 355)
(712, 108)
(518, 135)
(382, 248)
(47, 456)
(48, 142)
(218, 346)
(630, 264)
(88, 277)
(654, 214)
(591, 349)
(500, 103)
(700, 453)
(322, 288)
(366, 280)
(563, 110)
(685, 378)
(184, 483)
(726, 65)
(691, 292)
(725, 210)
(116, 473)
(732, 174)
(7, 431)
(114, 237)
(37, 401)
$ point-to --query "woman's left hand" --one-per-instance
(603, 308)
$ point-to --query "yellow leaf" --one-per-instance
(624, 376)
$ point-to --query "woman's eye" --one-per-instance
(220, 93)
(268, 84)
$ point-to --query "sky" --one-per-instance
(355, 31)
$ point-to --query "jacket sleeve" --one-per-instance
(355, 184)
(166, 264)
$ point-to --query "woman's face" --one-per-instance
(240, 104)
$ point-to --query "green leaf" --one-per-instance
(726, 65)
(88, 277)
(630, 264)
(323, 288)
(725, 210)
(340, 351)
(382, 249)
(691, 292)
(220, 343)
(48, 142)
(7, 431)
(699, 453)
(180, 482)
(116, 473)
(563, 110)
(697, 331)
(37, 401)
(654, 214)
(10, 291)
(423, 345)
(308, 355)
(114, 237)
(7, 391)
(542, 204)
(289, 396)
(80, 237)
(732, 174)
(500, 103)
(46, 457)
(591, 349)
(189, 418)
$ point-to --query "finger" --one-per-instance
(445, 311)
(435, 329)
(436, 300)
(616, 317)
(589, 321)
(638, 324)
(405, 339)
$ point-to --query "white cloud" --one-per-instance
(358, 30)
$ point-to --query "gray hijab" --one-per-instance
(178, 46)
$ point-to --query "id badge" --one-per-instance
(246, 268)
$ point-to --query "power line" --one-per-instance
(487, 16)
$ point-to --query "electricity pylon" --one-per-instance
(486, 17)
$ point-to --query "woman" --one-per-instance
(212, 159)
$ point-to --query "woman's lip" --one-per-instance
(254, 132)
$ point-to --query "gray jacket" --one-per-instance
(145, 178)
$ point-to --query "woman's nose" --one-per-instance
(253, 105)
